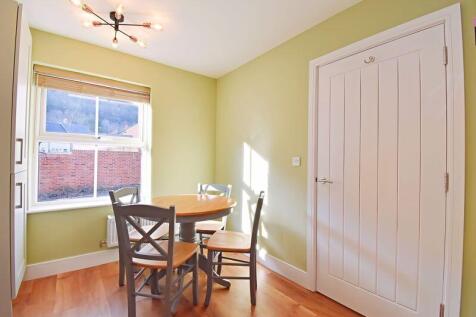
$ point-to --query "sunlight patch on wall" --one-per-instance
(255, 179)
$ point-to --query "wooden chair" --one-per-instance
(161, 257)
(206, 228)
(131, 195)
(236, 242)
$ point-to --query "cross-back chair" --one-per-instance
(128, 196)
(206, 228)
(162, 257)
(235, 242)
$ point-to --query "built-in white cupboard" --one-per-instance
(21, 97)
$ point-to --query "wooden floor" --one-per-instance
(94, 292)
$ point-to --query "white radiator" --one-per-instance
(111, 230)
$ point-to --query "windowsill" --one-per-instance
(39, 208)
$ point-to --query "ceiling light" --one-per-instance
(157, 26)
(87, 8)
(119, 12)
(116, 22)
(154, 26)
(76, 2)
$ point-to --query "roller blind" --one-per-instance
(55, 78)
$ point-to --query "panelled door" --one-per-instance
(381, 174)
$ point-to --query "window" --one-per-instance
(85, 145)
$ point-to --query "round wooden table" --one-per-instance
(192, 208)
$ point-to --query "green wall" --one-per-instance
(183, 138)
(202, 129)
(263, 105)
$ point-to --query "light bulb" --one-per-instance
(86, 8)
(87, 24)
(76, 2)
(119, 11)
(157, 26)
(141, 43)
(115, 42)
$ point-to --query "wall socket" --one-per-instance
(102, 243)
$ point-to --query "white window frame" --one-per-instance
(38, 134)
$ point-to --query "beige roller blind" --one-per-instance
(50, 77)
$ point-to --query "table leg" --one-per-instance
(187, 232)
(203, 264)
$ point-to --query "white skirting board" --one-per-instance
(287, 270)
(72, 263)
(83, 261)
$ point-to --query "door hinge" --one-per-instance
(445, 55)
(442, 310)
(447, 182)
(315, 179)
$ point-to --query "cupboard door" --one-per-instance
(18, 230)
(22, 93)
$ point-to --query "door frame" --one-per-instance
(450, 17)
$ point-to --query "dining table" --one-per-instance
(192, 208)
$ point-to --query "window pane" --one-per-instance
(70, 113)
(118, 167)
(65, 171)
(118, 118)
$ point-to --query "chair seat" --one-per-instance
(135, 236)
(208, 227)
(230, 241)
(182, 252)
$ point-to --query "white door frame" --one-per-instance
(451, 18)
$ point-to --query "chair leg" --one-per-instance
(131, 298)
(253, 279)
(168, 295)
(122, 270)
(195, 279)
(220, 259)
(200, 238)
(256, 273)
(154, 282)
(209, 277)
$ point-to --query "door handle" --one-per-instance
(20, 205)
(324, 180)
(20, 161)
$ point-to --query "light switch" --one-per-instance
(296, 161)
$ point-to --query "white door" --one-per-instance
(381, 167)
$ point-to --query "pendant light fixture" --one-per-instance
(116, 22)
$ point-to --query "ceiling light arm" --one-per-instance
(100, 18)
(131, 24)
(129, 36)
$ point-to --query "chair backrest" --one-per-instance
(125, 216)
(254, 232)
(215, 189)
(120, 195)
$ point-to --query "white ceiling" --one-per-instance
(210, 37)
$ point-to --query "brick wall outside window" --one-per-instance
(118, 169)
(63, 176)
